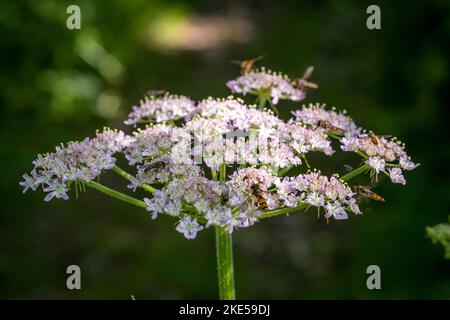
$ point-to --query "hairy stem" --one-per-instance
(278, 212)
(128, 176)
(115, 194)
(283, 171)
(223, 172)
(224, 257)
(262, 103)
(224, 254)
(214, 174)
(126, 198)
(355, 172)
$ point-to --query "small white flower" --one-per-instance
(28, 183)
(134, 183)
(157, 204)
(349, 144)
(354, 206)
(377, 163)
(335, 211)
(407, 164)
(315, 199)
(173, 208)
(396, 176)
(56, 189)
(214, 217)
(188, 227)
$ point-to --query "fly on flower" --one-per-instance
(155, 165)
(247, 65)
(214, 191)
(373, 137)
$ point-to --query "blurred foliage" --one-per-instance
(440, 233)
(59, 85)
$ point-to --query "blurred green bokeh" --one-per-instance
(59, 85)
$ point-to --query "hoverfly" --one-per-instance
(224, 197)
(259, 197)
(302, 83)
(366, 192)
(373, 137)
(247, 65)
(157, 93)
(328, 126)
(156, 165)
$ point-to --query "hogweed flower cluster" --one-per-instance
(266, 85)
(224, 163)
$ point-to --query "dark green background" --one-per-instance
(393, 81)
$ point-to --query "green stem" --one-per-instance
(224, 253)
(213, 174)
(355, 172)
(127, 176)
(121, 196)
(225, 271)
(278, 212)
(115, 194)
(262, 103)
(283, 171)
(274, 108)
(223, 172)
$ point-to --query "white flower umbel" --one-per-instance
(223, 164)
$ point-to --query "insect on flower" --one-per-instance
(247, 65)
(374, 138)
(156, 165)
(329, 127)
(188, 137)
(259, 197)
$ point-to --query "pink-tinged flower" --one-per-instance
(317, 190)
(134, 183)
(243, 180)
(28, 183)
(396, 176)
(376, 163)
(232, 221)
(157, 204)
(335, 211)
(56, 189)
(354, 206)
(350, 144)
(188, 227)
(407, 164)
(79, 160)
(314, 114)
(303, 139)
(315, 199)
(265, 83)
(216, 216)
(161, 109)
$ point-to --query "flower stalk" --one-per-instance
(355, 172)
(225, 270)
(225, 201)
(127, 176)
(224, 255)
(115, 194)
